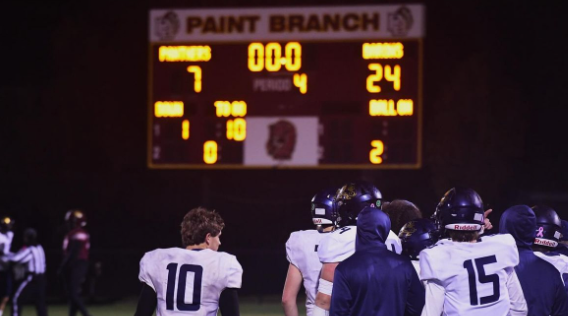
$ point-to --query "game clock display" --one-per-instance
(311, 87)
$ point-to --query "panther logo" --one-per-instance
(167, 26)
(282, 140)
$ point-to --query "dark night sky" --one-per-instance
(73, 89)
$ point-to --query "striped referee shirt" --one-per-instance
(33, 257)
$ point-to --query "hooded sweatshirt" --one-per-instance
(542, 286)
(375, 281)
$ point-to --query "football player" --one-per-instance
(194, 280)
(351, 198)
(465, 275)
(6, 237)
(301, 252)
(543, 291)
(73, 268)
(415, 236)
(375, 281)
(563, 245)
(547, 236)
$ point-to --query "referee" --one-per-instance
(32, 286)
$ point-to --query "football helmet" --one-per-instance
(75, 218)
(417, 235)
(323, 207)
(352, 197)
(548, 226)
(6, 224)
(459, 209)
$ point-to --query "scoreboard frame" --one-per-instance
(418, 105)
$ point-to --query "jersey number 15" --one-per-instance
(483, 278)
(181, 285)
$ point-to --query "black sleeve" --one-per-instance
(72, 254)
(229, 302)
(147, 301)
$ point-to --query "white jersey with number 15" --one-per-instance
(189, 282)
(474, 275)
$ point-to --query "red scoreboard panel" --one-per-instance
(309, 87)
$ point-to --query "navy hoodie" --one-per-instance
(375, 281)
(541, 282)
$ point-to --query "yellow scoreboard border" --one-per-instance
(170, 166)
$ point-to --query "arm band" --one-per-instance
(325, 287)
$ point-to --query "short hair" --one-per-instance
(463, 235)
(199, 222)
(400, 213)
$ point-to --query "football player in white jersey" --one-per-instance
(468, 275)
(194, 280)
(301, 252)
(351, 198)
(415, 236)
(547, 236)
(6, 237)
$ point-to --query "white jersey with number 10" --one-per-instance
(189, 282)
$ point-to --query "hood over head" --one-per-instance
(373, 227)
(520, 222)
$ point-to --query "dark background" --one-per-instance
(73, 126)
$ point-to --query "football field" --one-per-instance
(249, 306)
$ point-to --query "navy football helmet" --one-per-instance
(6, 224)
(417, 235)
(323, 208)
(352, 197)
(459, 209)
(548, 226)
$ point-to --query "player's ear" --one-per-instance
(208, 238)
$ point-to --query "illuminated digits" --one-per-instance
(185, 129)
(301, 81)
(377, 76)
(270, 56)
(230, 130)
(393, 77)
(273, 60)
(210, 152)
(196, 70)
(377, 150)
(256, 57)
(293, 52)
(237, 129)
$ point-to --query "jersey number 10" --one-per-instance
(181, 285)
(483, 278)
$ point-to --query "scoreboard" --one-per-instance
(292, 87)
